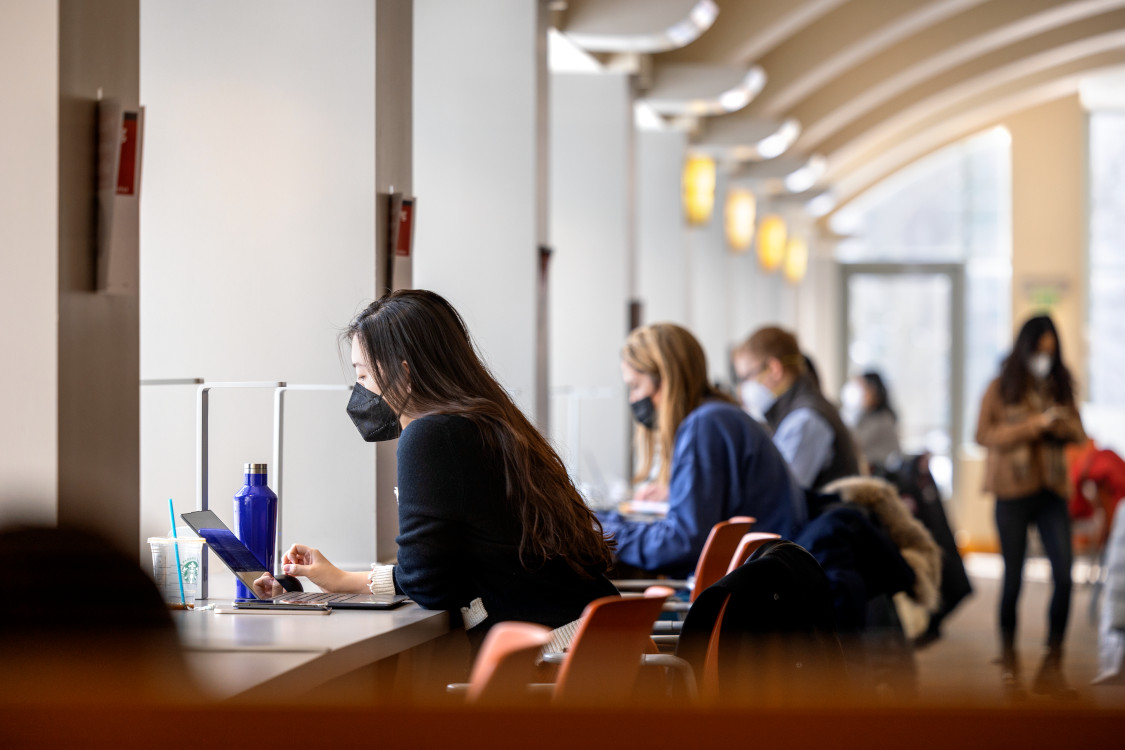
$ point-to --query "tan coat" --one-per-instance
(1022, 457)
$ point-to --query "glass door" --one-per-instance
(903, 321)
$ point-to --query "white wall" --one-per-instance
(29, 296)
(757, 298)
(662, 268)
(709, 292)
(818, 318)
(591, 218)
(476, 150)
(257, 246)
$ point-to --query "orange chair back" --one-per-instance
(750, 542)
(505, 665)
(717, 552)
(604, 659)
(709, 679)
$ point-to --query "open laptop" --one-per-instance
(247, 568)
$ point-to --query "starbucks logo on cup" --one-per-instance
(190, 571)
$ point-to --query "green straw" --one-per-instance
(176, 544)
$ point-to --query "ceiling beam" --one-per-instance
(942, 47)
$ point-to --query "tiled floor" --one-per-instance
(959, 667)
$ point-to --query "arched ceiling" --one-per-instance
(872, 84)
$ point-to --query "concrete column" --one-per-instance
(592, 220)
(479, 134)
(29, 261)
(98, 333)
(1049, 222)
(818, 324)
(709, 308)
(662, 267)
(394, 43)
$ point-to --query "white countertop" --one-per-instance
(259, 655)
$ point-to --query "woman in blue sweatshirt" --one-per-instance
(715, 460)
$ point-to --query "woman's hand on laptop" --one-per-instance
(267, 587)
(310, 563)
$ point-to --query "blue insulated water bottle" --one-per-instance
(255, 520)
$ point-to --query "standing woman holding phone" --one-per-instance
(1027, 416)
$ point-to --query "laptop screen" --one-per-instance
(226, 546)
(232, 551)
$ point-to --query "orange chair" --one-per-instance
(600, 667)
(721, 544)
(749, 544)
(605, 657)
(505, 666)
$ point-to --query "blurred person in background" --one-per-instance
(775, 386)
(1027, 416)
(874, 423)
(715, 460)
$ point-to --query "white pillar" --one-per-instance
(394, 90)
(29, 261)
(592, 229)
(709, 309)
(479, 122)
(662, 270)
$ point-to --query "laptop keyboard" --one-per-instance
(313, 597)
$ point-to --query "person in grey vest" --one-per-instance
(775, 388)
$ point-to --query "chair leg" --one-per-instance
(680, 667)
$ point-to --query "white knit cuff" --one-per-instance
(382, 579)
(474, 614)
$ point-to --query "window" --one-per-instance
(1107, 258)
(954, 206)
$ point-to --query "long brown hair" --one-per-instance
(443, 374)
(673, 358)
(776, 343)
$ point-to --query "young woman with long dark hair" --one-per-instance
(1027, 416)
(490, 526)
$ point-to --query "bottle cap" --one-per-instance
(254, 468)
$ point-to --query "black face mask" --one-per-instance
(644, 412)
(372, 417)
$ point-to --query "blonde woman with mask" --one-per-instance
(716, 461)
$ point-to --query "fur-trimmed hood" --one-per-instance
(914, 542)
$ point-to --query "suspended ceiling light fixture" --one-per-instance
(680, 34)
(821, 205)
(741, 95)
(804, 178)
(564, 56)
(699, 188)
(699, 90)
(691, 28)
(645, 119)
(796, 259)
(740, 213)
(772, 238)
(773, 145)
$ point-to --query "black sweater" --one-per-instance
(459, 535)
